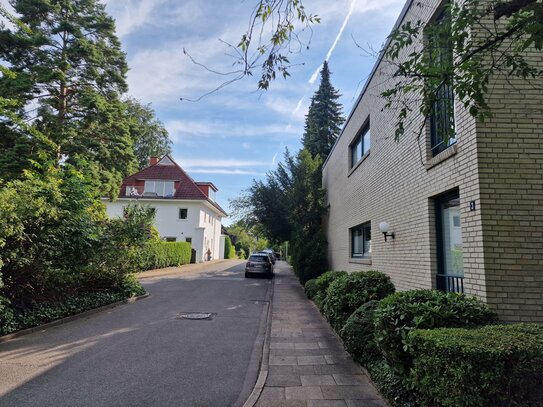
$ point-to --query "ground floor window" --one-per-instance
(361, 240)
(170, 239)
(450, 272)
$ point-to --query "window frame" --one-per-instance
(443, 112)
(365, 229)
(179, 214)
(358, 143)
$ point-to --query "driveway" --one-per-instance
(142, 354)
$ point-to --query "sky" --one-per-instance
(238, 134)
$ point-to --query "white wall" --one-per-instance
(204, 234)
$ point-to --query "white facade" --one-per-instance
(202, 226)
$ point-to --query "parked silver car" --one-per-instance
(259, 263)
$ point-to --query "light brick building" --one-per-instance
(465, 216)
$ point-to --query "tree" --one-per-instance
(324, 118)
(149, 136)
(68, 72)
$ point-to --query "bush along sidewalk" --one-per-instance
(424, 347)
(156, 254)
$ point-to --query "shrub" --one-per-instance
(156, 255)
(322, 282)
(347, 293)
(229, 249)
(311, 288)
(391, 384)
(405, 311)
(358, 334)
(496, 365)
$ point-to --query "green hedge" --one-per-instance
(229, 249)
(496, 365)
(402, 312)
(39, 313)
(157, 255)
(311, 288)
(358, 334)
(322, 283)
(348, 292)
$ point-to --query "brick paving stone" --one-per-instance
(272, 393)
(306, 345)
(280, 403)
(303, 393)
(284, 379)
(366, 403)
(283, 360)
(311, 360)
(281, 345)
(317, 380)
(350, 379)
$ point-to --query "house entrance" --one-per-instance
(450, 273)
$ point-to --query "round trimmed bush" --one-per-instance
(311, 288)
(348, 292)
(400, 313)
(358, 334)
(323, 281)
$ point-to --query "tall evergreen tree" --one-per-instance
(70, 72)
(324, 118)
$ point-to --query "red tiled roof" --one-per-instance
(186, 189)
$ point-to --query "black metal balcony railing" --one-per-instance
(450, 284)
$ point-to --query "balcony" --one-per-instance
(139, 192)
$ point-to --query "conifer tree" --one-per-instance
(324, 118)
(69, 73)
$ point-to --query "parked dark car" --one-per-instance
(259, 263)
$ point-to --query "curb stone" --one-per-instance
(71, 318)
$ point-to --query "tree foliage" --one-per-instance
(324, 118)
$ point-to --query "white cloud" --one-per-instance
(132, 14)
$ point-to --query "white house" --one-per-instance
(185, 210)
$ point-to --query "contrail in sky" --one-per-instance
(329, 54)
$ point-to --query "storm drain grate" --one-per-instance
(195, 315)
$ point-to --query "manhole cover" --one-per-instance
(195, 315)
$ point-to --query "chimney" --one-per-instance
(153, 160)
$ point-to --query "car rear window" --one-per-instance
(261, 259)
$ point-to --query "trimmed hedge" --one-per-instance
(157, 255)
(229, 249)
(348, 292)
(40, 313)
(358, 334)
(323, 282)
(496, 365)
(391, 384)
(403, 312)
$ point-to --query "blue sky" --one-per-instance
(238, 134)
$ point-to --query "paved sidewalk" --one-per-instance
(307, 364)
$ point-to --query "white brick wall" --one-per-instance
(498, 164)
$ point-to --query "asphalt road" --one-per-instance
(141, 354)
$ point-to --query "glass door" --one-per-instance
(450, 273)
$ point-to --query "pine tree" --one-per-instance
(324, 118)
(70, 72)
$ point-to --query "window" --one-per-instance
(158, 188)
(450, 273)
(183, 213)
(361, 241)
(361, 145)
(440, 49)
(170, 239)
(188, 239)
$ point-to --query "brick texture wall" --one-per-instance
(498, 164)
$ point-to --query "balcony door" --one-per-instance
(450, 273)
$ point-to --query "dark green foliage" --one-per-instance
(400, 313)
(324, 119)
(347, 293)
(358, 334)
(496, 365)
(323, 281)
(391, 384)
(148, 134)
(40, 313)
(310, 288)
(155, 255)
(229, 249)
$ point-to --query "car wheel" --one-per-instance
(247, 275)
